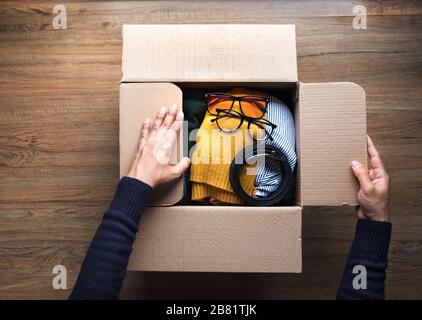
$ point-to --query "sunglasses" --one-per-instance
(231, 120)
(250, 105)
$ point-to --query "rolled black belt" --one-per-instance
(285, 191)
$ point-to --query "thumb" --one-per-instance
(181, 167)
(362, 175)
(360, 214)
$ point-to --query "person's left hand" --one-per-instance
(152, 163)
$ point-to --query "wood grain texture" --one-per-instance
(59, 138)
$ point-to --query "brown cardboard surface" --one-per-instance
(207, 52)
(330, 127)
(219, 239)
(332, 120)
(138, 101)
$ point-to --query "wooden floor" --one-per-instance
(59, 155)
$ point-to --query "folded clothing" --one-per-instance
(268, 176)
(211, 159)
(194, 109)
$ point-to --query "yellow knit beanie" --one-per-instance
(211, 159)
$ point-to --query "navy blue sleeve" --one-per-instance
(364, 274)
(105, 263)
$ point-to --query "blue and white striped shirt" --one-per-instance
(268, 176)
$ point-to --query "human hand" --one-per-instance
(373, 194)
(152, 162)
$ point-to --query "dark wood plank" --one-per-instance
(399, 7)
(59, 138)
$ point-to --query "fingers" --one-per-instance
(159, 118)
(165, 119)
(372, 174)
(378, 170)
(170, 136)
(178, 121)
(360, 214)
(374, 155)
(145, 132)
(171, 115)
(168, 140)
(373, 152)
(181, 167)
(362, 175)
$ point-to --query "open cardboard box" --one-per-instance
(159, 61)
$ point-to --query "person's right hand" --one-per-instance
(373, 194)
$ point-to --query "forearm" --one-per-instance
(105, 263)
(368, 254)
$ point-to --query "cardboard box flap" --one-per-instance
(138, 101)
(332, 134)
(230, 239)
(206, 52)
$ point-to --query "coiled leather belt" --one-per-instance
(282, 195)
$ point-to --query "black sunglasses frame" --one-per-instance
(262, 123)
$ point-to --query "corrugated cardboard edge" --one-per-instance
(209, 52)
(138, 101)
(298, 191)
(332, 134)
(230, 239)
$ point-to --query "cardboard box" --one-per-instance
(158, 62)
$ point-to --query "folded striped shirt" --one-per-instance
(268, 176)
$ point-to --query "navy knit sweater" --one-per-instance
(104, 267)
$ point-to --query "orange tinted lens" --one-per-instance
(219, 103)
(228, 121)
(251, 109)
(229, 124)
(262, 105)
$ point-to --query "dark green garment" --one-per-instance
(194, 108)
